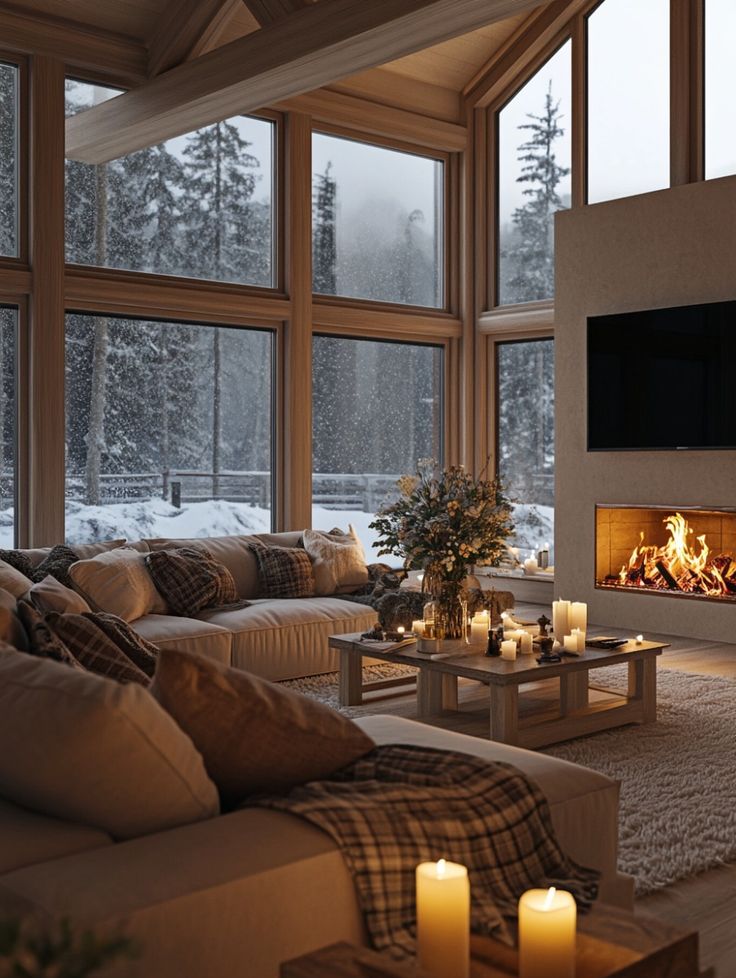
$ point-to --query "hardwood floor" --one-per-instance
(706, 903)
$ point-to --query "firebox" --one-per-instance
(666, 550)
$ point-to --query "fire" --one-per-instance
(680, 565)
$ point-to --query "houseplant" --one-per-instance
(445, 521)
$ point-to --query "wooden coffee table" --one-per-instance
(572, 715)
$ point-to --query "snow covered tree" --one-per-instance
(531, 253)
(7, 160)
(324, 233)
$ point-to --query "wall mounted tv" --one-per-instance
(663, 380)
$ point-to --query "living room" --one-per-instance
(275, 276)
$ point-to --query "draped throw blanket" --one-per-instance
(400, 805)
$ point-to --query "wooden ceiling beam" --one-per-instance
(308, 49)
(182, 26)
(267, 12)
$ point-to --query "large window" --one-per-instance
(378, 410)
(168, 429)
(720, 83)
(8, 330)
(201, 205)
(533, 180)
(377, 223)
(526, 437)
(8, 160)
(628, 98)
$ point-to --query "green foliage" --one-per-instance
(446, 521)
(26, 951)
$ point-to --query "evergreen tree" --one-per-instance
(324, 233)
(8, 161)
(532, 253)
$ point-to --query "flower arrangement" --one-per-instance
(445, 521)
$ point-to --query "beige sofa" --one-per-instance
(242, 892)
(276, 639)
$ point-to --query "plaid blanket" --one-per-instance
(401, 805)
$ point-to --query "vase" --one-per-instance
(451, 605)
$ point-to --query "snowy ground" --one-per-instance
(157, 518)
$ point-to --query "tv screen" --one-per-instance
(664, 379)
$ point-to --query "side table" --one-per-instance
(611, 944)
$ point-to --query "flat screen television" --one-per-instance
(663, 380)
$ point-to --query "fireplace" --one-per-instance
(666, 550)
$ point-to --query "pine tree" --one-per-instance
(324, 233)
(8, 209)
(532, 255)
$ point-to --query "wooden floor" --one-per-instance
(708, 902)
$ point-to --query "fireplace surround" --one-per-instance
(666, 550)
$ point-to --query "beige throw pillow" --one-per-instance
(118, 582)
(13, 581)
(254, 735)
(79, 747)
(338, 560)
(51, 595)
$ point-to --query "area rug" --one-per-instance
(326, 688)
(678, 776)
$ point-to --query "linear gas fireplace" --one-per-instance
(667, 550)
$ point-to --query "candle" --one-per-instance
(561, 619)
(639, 639)
(514, 634)
(479, 626)
(527, 644)
(547, 924)
(443, 919)
(418, 627)
(509, 622)
(508, 649)
(579, 615)
(579, 635)
(570, 643)
(420, 579)
(530, 565)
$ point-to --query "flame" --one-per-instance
(680, 565)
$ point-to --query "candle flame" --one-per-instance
(549, 900)
(441, 867)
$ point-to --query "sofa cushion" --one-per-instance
(93, 649)
(190, 579)
(27, 838)
(338, 560)
(284, 638)
(283, 572)
(79, 747)
(51, 595)
(254, 736)
(13, 580)
(190, 634)
(118, 582)
(11, 627)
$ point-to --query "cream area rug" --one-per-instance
(678, 776)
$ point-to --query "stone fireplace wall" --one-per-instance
(669, 248)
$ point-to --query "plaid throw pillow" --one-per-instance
(284, 572)
(91, 647)
(41, 640)
(140, 652)
(190, 579)
(56, 563)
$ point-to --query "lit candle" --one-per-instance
(418, 627)
(579, 615)
(400, 631)
(479, 626)
(514, 633)
(508, 649)
(561, 619)
(530, 565)
(526, 644)
(443, 919)
(570, 643)
(547, 925)
(579, 635)
(639, 639)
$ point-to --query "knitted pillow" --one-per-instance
(56, 563)
(91, 647)
(190, 579)
(141, 653)
(41, 640)
(284, 572)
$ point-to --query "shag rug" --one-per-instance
(678, 776)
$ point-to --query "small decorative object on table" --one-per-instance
(446, 521)
(494, 641)
(546, 646)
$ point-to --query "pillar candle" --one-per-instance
(579, 635)
(579, 616)
(443, 919)
(530, 565)
(514, 634)
(478, 630)
(561, 619)
(547, 925)
(526, 644)
(570, 643)
(508, 649)
(418, 627)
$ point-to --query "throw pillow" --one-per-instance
(41, 640)
(284, 572)
(338, 560)
(79, 747)
(93, 650)
(20, 561)
(190, 579)
(141, 653)
(51, 595)
(58, 562)
(118, 582)
(254, 735)
(12, 631)
(13, 580)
